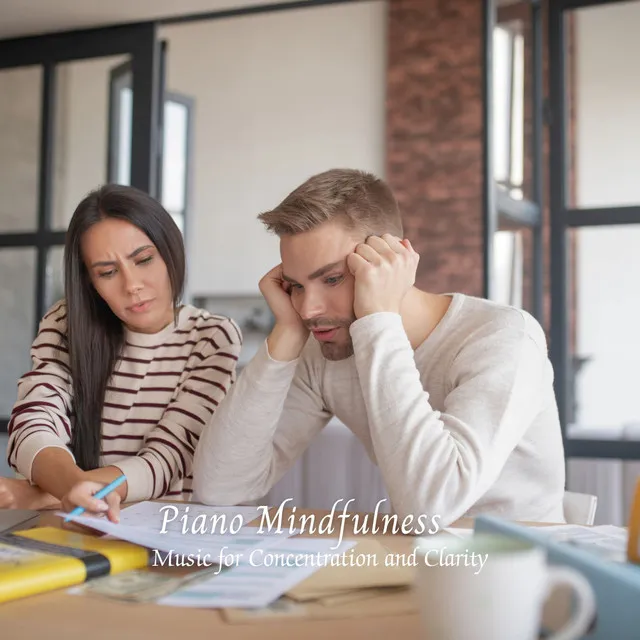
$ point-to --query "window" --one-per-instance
(508, 108)
(173, 178)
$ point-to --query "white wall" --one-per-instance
(608, 170)
(81, 146)
(278, 97)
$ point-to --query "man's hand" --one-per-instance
(81, 495)
(384, 269)
(20, 494)
(289, 334)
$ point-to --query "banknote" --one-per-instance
(142, 586)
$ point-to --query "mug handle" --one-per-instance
(585, 607)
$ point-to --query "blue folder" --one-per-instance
(616, 585)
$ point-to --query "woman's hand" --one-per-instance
(81, 495)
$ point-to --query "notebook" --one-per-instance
(47, 558)
(11, 519)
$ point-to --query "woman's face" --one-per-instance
(129, 274)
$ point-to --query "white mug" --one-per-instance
(490, 586)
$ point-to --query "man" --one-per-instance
(451, 395)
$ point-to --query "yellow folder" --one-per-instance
(47, 558)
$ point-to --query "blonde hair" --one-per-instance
(358, 199)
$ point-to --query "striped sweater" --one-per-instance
(165, 388)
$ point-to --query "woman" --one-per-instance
(124, 378)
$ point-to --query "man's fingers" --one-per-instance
(397, 245)
(381, 245)
(369, 253)
(355, 262)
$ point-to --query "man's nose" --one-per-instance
(312, 306)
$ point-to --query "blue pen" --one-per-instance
(78, 511)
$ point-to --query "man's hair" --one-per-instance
(357, 199)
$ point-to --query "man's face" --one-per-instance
(314, 264)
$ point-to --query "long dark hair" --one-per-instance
(95, 335)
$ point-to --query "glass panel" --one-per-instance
(174, 160)
(120, 125)
(17, 284)
(511, 98)
(603, 97)
(513, 266)
(54, 285)
(20, 106)
(81, 136)
(508, 268)
(603, 327)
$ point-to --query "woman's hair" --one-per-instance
(95, 335)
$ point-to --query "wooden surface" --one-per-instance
(58, 614)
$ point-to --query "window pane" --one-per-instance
(508, 268)
(501, 101)
(54, 286)
(516, 170)
(20, 104)
(174, 158)
(603, 316)
(125, 120)
(603, 132)
(81, 132)
(17, 285)
(512, 98)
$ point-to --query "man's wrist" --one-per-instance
(39, 499)
(285, 343)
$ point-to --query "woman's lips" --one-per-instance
(141, 307)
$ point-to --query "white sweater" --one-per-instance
(465, 424)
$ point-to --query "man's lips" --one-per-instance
(324, 333)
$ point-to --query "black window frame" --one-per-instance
(47, 51)
(564, 218)
(499, 207)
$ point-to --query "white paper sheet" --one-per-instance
(607, 541)
(458, 532)
(251, 584)
(151, 515)
(142, 524)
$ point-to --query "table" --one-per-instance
(59, 614)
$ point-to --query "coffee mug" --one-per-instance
(492, 586)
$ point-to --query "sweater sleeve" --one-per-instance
(40, 417)
(264, 425)
(168, 449)
(440, 463)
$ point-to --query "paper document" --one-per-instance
(205, 537)
(458, 532)
(263, 577)
(608, 541)
(177, 515)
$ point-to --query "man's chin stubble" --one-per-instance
(336, 351)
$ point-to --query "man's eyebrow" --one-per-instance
(322, 270)
(288, 279)
(133, 254)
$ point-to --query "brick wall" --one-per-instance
(434, 136)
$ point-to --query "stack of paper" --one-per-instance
(142, 524)
(258, 583)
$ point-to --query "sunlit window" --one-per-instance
(508, 108)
